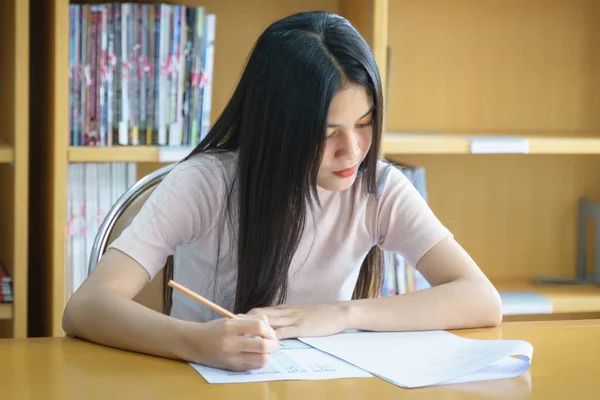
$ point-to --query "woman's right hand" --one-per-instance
(233, 344)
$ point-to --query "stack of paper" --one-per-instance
(416, 359)
(407, 359)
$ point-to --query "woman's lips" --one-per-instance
(346, 173)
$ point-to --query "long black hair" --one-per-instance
(276, 120)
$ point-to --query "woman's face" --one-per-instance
(349, 136)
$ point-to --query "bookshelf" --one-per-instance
(238, 25)
(454, 71)
(14, 163)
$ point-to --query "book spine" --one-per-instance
(173, 76)
(83, 78)
(103, 75)
(76, 76)
(110, 96)
(149, 62)
(156, 72)
(93, 71)
(208, 72)
(98, 76)
(117, 75)
(196, 104)
(133, 48)
(189, 63)
(181, 57)
(143, 73)
(89, 81)
(165, 28)
(125, 69)
(71, 72)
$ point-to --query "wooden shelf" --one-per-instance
(451, 143)
(84, 154)
(6, 311)
(566, 299)
(7, 154)
(393, 143)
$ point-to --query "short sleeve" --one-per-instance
(405, 222)
(179, 211)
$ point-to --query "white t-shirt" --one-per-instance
(184, 217)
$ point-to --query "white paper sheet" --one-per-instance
(417, 359)
(294, 361)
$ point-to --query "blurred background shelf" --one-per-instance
(7, 153)
(141, 154)
(565, 299)
(6, 311)
(396, 143)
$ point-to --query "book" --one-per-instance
(93, 189)
(6, 291)
(140, 74)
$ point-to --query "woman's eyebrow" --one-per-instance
(331, 125)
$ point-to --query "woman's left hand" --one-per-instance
(303, 321)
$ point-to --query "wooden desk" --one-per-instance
(566, 364)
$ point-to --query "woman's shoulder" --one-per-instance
(387, 174)
(209, 161)
(215, 167)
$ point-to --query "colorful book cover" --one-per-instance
(139, 73)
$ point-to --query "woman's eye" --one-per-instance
(365, 124)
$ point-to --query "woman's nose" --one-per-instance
(350, 147)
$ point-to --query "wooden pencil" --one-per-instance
(203, 300)
(215, 307)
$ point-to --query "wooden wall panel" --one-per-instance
(360, 14)
(7, 39)
(501, 65)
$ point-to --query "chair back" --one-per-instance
(118, 218)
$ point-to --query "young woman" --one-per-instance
(279, 215)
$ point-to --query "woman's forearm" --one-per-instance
(454, 305)
(115, 321)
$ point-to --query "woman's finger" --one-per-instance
(272, 311)
(289, 332)
(276, 322)
(254, 360)
(257, 345)
(254, 326)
